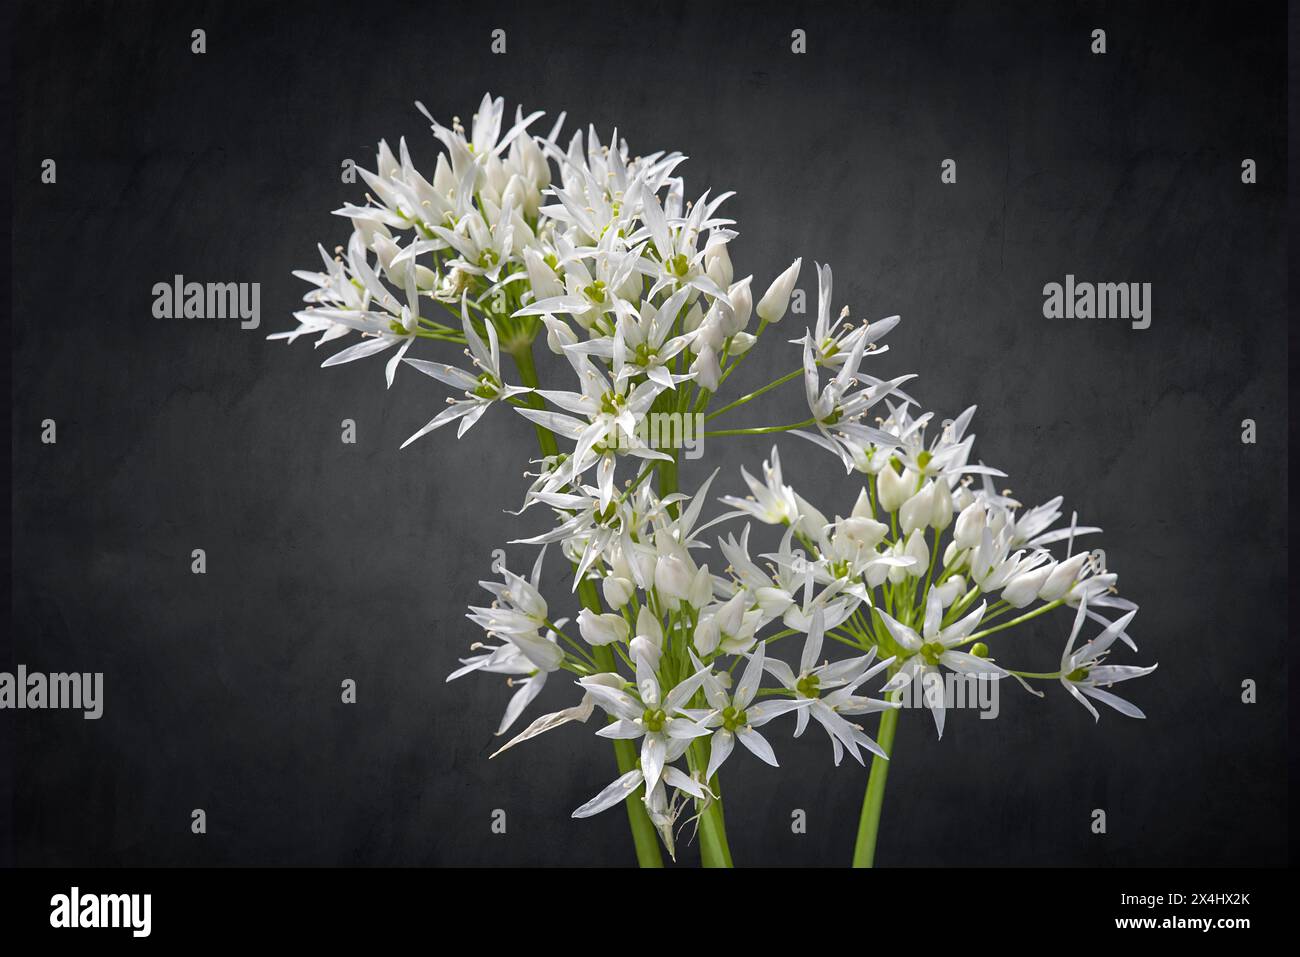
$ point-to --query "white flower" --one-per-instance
(548, 722)
(509, 659)
(933, 647)
(770, 501)
(597, 248)
(481, 390)
(518, 614)
(1082, 671)
(612, 410)
(730, 626)
(657, 720)
(736, 716)
(841, 679)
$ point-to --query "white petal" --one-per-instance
(619, 791)
(756, 743)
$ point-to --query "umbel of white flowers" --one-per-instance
(512, 236)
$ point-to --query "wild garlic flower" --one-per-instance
(911, 575)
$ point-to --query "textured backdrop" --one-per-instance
(329, 561)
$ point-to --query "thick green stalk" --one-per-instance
(644, 837)
(523, 357)
(864, 849)
(714, 849)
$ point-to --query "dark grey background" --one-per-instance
(328, 561)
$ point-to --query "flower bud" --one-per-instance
(773, 602)
(862, 507)
(701, 588)
(648, 627)
(741, 343)
(771, 308)
(892, 488)
(558, 335)
(1023, 588)
(717, 264)
(541, 277)
(866, 532)
(950, 590)
(916, 548)
(617, 591)
(707, 371)
(601, 629)
(542, 652)
(915, 512)
(941, 514)
(979, 650)
(897, 574)
(643, 649)
(970, 526)
(707, 635)
(742, 304)
(731, 615)
(1063, 577)
(710, 335)
(694, 316)
(743, 639)
(515, 195)
(673, 577)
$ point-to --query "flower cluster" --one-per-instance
(515, 237)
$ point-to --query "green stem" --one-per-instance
(755, 394)
(763, 430)
(667, 480)
(523, 357)
(1014, 621)
(864, 850)
(644, 836)
(714, 850)
(735, 362)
